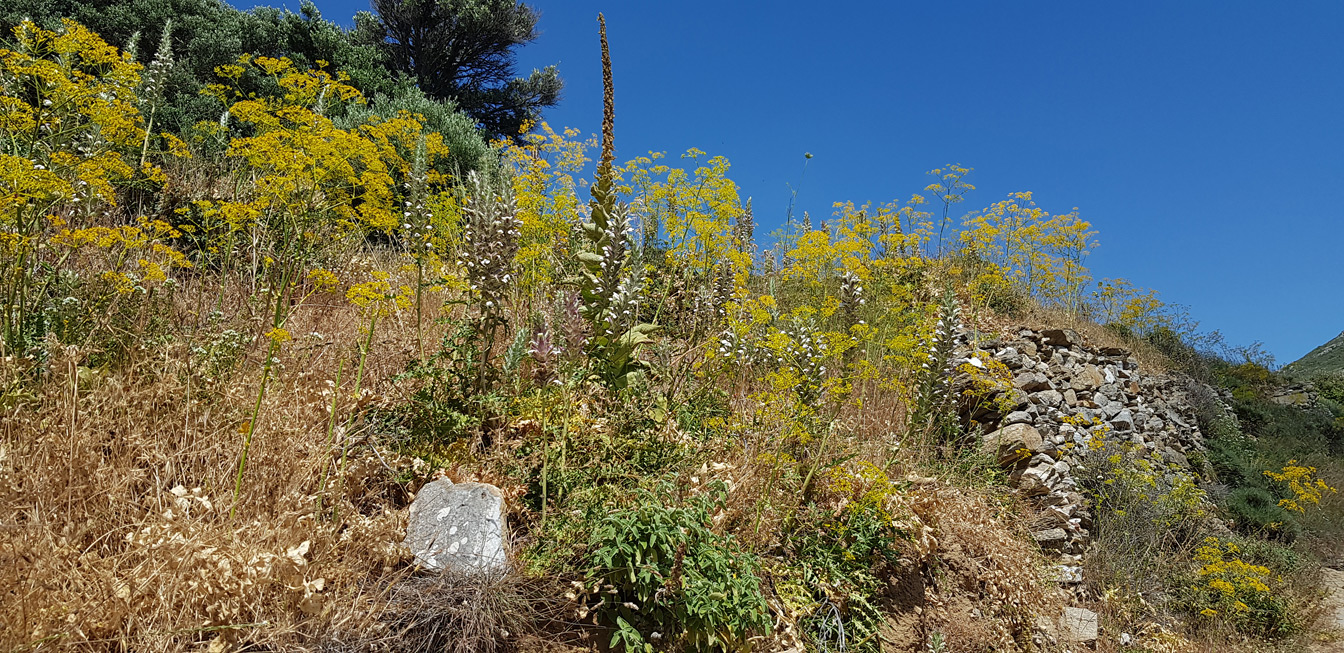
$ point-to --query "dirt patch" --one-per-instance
(1331, 621)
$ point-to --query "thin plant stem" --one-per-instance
(331, 435)
(252, 426)
(545, 462)
(359, 378)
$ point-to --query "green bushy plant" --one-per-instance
(1228, 586)
(1258, 511)
(661, 569)
(840, 559)
(442, 408)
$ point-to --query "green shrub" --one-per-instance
(1234, 463)
(840, 556)
(1258, 511)
(661, 569)
(1227, 586)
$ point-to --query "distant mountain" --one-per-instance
(1328, 358)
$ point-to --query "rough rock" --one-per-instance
(1061, 338)
(1013, 443)
(459, 527)
(1078, 625)
(1031, 382)
(1048, 397)
(1088, 378)
(1051, 538)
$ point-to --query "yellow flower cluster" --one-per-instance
(65, 146)
(1232, 589)
(1306, 489)
(1040, 253)
(990, 381)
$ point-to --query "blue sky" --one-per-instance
(1203, 140)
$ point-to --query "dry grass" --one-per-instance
(115, 493)
(1039, 317)
(461, 614)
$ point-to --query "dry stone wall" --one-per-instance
(1064, 393)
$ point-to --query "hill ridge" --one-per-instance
(1328, 358)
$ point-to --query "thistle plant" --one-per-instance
(736, 348)
(545, 354)
(572, 324)
(491, 241)
(744, 231)
(806, 353)
(418, 231)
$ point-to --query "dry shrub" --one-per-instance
(985, 583)
(461, 614)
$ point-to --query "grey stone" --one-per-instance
(1070, 397)
(1041, 459)
(1031, 382)
(1062, 338)
(1070, 574)
(1175, 457)
(1111, 409)
(1032, 483)
(1009, 356)
(1048, 397)
(1123, 421)
(459, 527)
(1078, 625)
(1013, 443)
(1051, 538)
(1088, 378)
(1017, 417)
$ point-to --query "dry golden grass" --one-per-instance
(116, 489)
(1038, 317)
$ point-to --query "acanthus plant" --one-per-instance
(934, 411)
(610, 288)
(490, 241)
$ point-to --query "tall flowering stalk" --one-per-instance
(744, 231)
(933, 405)
(610, 288)
(490, 242)
(418, 231)
(153, 83)
(851, 298)
(572, 325)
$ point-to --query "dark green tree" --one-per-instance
(210, 33)
(463, 50)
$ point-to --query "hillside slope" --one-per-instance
(1326, 359)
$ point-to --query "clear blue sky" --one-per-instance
(1202, 139)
